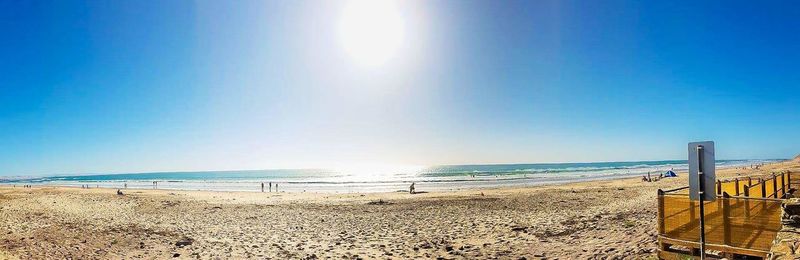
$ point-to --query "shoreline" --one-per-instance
(596, 219)
(438, 185)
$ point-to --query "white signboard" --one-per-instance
(701, 159)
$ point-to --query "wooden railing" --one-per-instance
(774, 185)
(743, 220)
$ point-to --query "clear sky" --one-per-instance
(130, 86)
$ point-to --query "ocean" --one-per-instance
(432, 178)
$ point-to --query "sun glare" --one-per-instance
(371, 31)
(375, 171)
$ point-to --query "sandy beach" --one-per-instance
(613, 219)
(301, 129)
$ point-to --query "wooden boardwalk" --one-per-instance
(734, 225)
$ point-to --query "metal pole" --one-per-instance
(701, 196)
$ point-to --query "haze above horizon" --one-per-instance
(153, 86)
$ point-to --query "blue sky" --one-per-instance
(129, 86)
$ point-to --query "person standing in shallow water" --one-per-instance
(411, 189)
(262, 187)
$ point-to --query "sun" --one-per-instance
(371, 31)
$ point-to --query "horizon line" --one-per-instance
(329, 168)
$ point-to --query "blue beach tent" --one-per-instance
(670, 174)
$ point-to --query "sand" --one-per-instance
(613, 219)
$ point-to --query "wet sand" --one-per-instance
(600, 219)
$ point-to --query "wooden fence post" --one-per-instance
(747, 201)
(719, 187)
(763, 188)
(661, 219)
(737, 186)
(783, 184)
(726, 213)
(775, 185)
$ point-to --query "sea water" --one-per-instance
(433, 178)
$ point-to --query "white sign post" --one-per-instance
(701, 164)
(702, 180)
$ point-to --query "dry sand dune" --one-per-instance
(600, 219)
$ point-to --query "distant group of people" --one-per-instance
(752, 166)
(649, 179)
(270, 187)
(264, 187)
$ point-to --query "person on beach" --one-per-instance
(126, 186)
(262, 187)
(276, 187)
(411, 189)
(270, 187)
